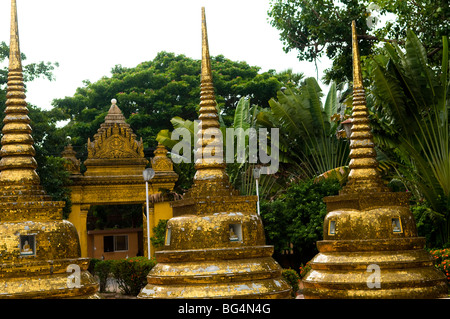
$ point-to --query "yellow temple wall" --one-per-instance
(157, 211)
(114, 176)
(78, 217)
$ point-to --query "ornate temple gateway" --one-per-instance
(39, 251)
(215, 245)
(370, 246)
(114, 174)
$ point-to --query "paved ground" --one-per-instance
(113, 291)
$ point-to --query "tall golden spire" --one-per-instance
(215, 243)
(17, 166)
(209, 163)
(370, 246)
(363, 175)
(38, 247)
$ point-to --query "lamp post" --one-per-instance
(256, 174)
(148, 174)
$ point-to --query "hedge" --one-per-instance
(130, 273)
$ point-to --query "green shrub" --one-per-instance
(159, 232)
(292, 277)
(91, 267)
(296, 217)
(442, 261)
(427, 222)
(102, 269)
(304, 269)
(131, 274)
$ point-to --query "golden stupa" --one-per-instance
(370, 246)
(39, 251)
(215, 244)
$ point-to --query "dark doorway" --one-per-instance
(101, 217)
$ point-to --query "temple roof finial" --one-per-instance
(114, 115)
(357, 74)
(15, 61)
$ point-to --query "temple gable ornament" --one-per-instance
(115, 142)
(115, 138)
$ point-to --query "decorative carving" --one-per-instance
(115, 138)
(161, 162)
(72, 164)
(115, 142)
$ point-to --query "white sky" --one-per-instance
(89, 37)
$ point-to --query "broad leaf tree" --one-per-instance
(318, 28)
(153, 93)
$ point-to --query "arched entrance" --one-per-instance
(113, 174)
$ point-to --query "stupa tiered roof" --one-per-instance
(370, 246)
(215, 245)
(38, 249)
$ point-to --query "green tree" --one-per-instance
(322, 28)
(154, 92)
(296, 217)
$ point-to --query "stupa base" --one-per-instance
(407, 274)
(247, 272)
(261, 289)
(48, 286)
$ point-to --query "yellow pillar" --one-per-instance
(162, 210)
(83, 230)
(78, 217)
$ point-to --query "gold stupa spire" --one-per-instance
(364, 175)
(209, 162)
(370, 246)
(17, 166)
(38, 247)
(215, 243)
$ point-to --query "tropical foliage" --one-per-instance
(409, 100)
(296, 217)
(308, 128)
(292, 277)
(130, 273)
